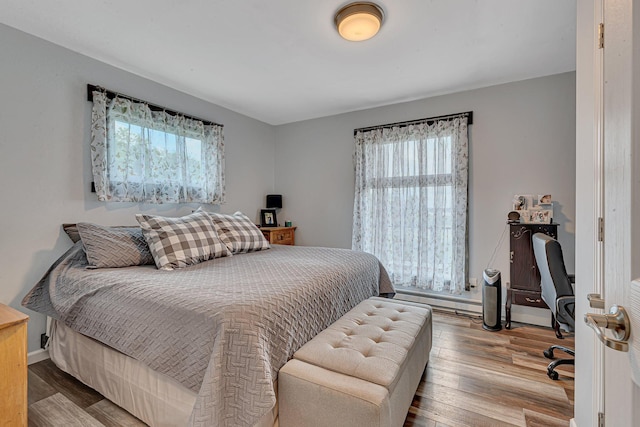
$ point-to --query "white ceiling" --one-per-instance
(282, 61)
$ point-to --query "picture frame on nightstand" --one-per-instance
(268, 218)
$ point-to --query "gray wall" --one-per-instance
(522, 141)
(44, 161)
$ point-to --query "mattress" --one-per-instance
(150, 396)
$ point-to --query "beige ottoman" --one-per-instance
(363, 370)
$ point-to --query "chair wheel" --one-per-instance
(552, 374)
(548, 353)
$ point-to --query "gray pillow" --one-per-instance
(72, 232)
(110, 247)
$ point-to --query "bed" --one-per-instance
(209, 338)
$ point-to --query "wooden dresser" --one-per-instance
(525, 288)
(13, 367)
(280, 235)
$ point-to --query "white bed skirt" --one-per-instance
(151, 396)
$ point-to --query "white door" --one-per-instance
(621, 200)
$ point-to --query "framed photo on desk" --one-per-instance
(542, 216)
(268, 218)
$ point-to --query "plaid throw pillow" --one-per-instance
(239, 233)
(179, 242)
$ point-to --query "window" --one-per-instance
(141, 155)
(411, 202)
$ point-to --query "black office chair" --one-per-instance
(557, 293)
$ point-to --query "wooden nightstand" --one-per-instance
(280, 235)
(13, 367)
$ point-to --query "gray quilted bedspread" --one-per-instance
(222, 328)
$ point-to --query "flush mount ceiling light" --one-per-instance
(359, 21)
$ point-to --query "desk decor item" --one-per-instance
(544, 199)
(522, 202)
(513, 216)
(541, 216)
(532, 209)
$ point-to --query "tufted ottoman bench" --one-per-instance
(363, 370)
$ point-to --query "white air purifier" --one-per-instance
(491, 300)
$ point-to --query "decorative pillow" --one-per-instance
(72, 230)
(108, 247)
(179, 242)
(239, 233)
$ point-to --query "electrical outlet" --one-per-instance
(43, 340)
(473, 282)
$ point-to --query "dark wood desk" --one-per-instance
(524, 287)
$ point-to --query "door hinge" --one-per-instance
(601, 36)
(600, 229)
(600, 419)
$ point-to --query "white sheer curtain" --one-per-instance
(410, 206)
(140, 155)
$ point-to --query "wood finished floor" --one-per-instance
(474, 378)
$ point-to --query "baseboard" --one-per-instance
(442, 301)
(466, 298)
(37, 356)
(572, 423)
(471, 304)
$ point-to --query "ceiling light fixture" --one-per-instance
(359, 21)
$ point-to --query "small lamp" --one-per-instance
(274, 201)
(359, 21)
